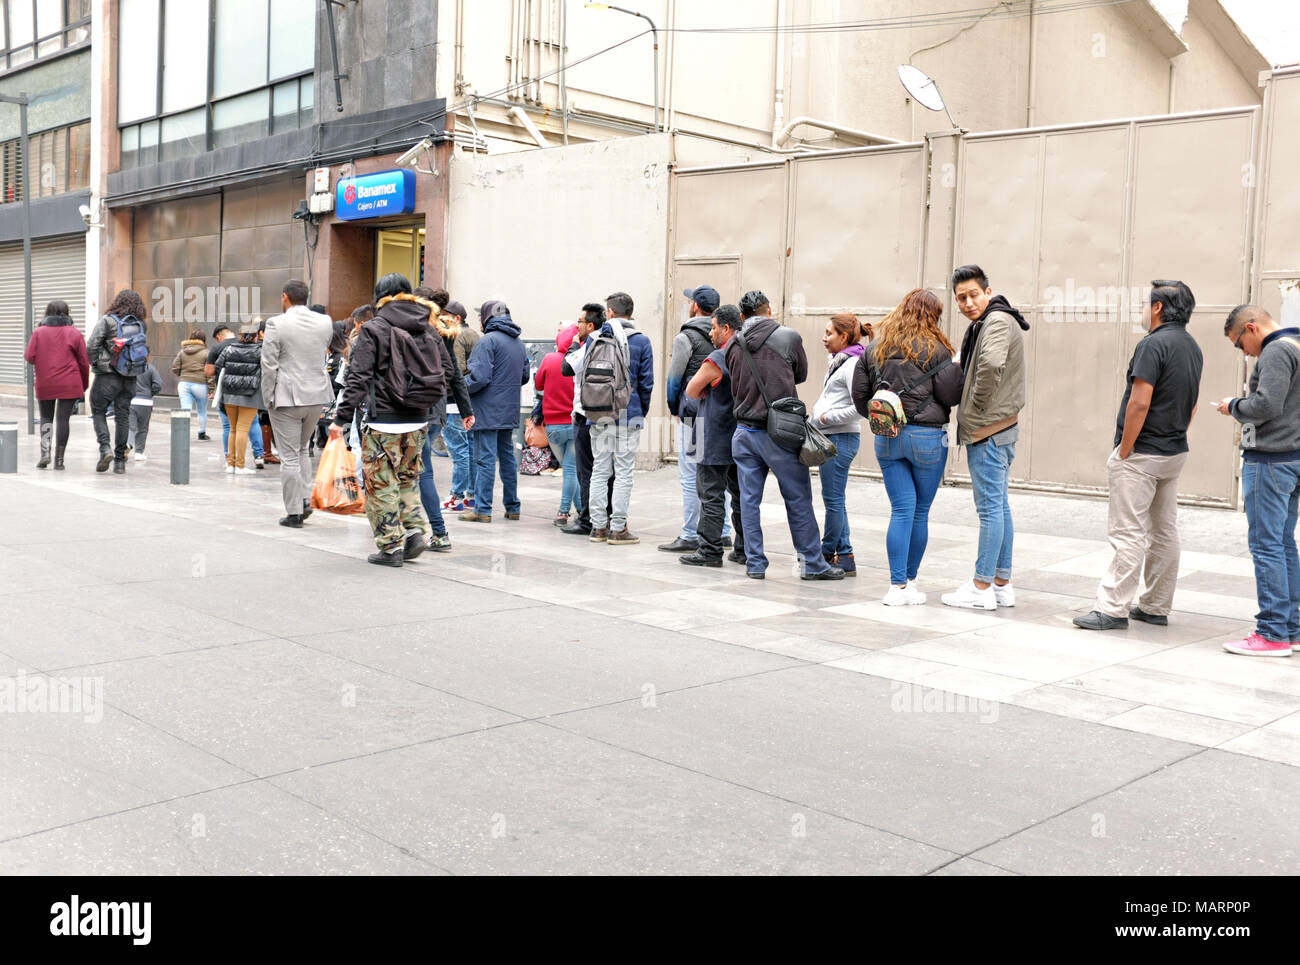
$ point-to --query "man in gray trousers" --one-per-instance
(295, 386)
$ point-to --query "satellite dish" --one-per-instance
(922, 89)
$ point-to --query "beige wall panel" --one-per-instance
(996, 227)
(857, 229)
(1190, 205)
(1083, 210)
(736, 213)
(1281, 245)
(1205, 78)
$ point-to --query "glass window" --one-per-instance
(130, 147)
(137, 60)
(79, 157)
(306, 94)
(284, 107)
(78, 10)
(49, 17)
(149, 143)
(293, 37)
(240, 119)
(20, 24)
(185, 55)
(240, 55)
(183, 135)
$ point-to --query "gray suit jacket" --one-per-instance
(294, 354)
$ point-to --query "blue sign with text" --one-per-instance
(375, 195)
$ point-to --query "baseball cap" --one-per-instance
(457, 309)
(706, 296)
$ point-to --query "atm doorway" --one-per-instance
(399, 249)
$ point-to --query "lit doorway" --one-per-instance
(400, 250)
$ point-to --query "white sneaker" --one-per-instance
(141, 457)
(230, 469)
(245, 472)
(1005, 595)
(903, 596)
(970, 597)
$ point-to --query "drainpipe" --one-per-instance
(519, 114)
(778, 103)
(1033, 87)
(784, 134)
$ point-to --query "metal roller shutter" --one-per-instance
(58, 271)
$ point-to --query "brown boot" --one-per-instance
(599, 535)
(623, 537)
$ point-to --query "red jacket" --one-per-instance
(556, 389)
(58, 351)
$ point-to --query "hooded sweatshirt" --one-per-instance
(58, 352)
(189, 361)
(781, 362)
(993, 360)
(691, 346)
(498, 367)
(368, 364)
(555, 386)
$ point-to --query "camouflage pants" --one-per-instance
(392, 466)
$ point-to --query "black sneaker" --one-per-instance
(414, 546)
(203, 436)
(105, 460)
(576, 529)
(726, 542)
(830, 573)
(695, 559)
(736, 556)
(1097, 620)
(293, 521)
(119, 467)
(306, 508)
(1141, 615)
(386, 559)
(755, 575)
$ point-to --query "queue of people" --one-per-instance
(400, 373)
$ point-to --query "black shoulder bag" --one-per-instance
(787, 419)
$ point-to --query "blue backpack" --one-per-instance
(130, 350)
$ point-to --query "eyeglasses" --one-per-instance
(1236, 342)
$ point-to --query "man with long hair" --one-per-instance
(112, 386)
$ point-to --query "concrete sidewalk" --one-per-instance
(531, 702)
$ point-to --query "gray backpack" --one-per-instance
(606, 376)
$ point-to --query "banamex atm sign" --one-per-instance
(375, 195)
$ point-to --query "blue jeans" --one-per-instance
(459, 447)
(990, 468)
(561, 440)
(686, 456)
(490, 447)
(912, 465)
(254, 436)
(755, 453)
(1272, 493)
(835, 479)
(195, 395)
(429, 492)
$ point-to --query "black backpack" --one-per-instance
(415, 379)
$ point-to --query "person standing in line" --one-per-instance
(147, 384)
(715, 424)
(189, 367)
(691, 346)
(1270, 476)
(447, 328)
(498, 366)
(239, 366)
(1162, 384)
(111, 352)
(590, 321)
(835, 414)
(988, 425)
(57, 352)
(767, 361)
(556, 391)
(223, 336)
(912, 358)
(295, 387)
(455, 433)
(398, 390)
(616, 433)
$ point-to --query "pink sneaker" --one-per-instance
(1256, 646)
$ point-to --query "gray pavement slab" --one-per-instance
(530, 799)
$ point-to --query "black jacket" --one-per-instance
(781, 362)
(242, 363)
(368, 365)
(929, 402)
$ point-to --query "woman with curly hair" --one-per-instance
(125, 317)
(912, 358)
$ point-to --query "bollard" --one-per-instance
(8, 447)
(180, 447)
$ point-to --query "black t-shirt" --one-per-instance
(216, 350)
(1170, 360)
